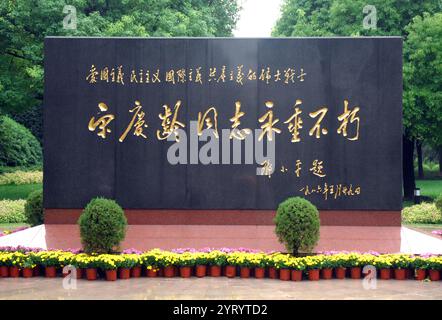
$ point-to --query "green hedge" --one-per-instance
(422, 213)
(438, 203)
(12, 211)
(21, 177)
(102, 226)
(297, 224)
(18, 146)
(34, 208)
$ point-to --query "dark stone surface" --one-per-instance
(79, 165)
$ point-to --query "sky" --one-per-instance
(257, 18)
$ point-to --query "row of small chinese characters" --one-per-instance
(209, 120)
(317, 168)
(239, 75)
(334, 190)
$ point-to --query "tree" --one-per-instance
(344, 18)
(25, 23)
(423, 79)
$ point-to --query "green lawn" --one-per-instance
(14, 192)
(430, 188)
(11, 226)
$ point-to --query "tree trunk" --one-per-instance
(420, 166)
(407, 167)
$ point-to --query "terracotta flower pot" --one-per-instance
(4, 271)
(340, 273)
(273, 273)
(200, 271)
(124, 273)
(50, 272)
(313, 275)
(169, 272)
(296, 275)
(244, 272)
(230, 271)
(151, 273)
(14, 272)
(400, 274)
(384, 274)
(419, 274)
(79, 273)
(355, 273)
(36, 271)
(284, 274)
(111, 275)
(434, 275)
(215, 271)
(327, 273)
(91, 274)
(185, 272)
(135, 272)
(259, 273)
(27, 272)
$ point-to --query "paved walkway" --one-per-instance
(395, 239)
(217, 289)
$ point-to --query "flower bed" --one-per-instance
(240, 262)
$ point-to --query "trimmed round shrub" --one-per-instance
(297, 224)
(422, 213)
(438, 203)
(102, 226)
(12, 211)
(18, 146)
(34, 208)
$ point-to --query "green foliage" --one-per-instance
(297, 224)
(34, 211)
(24, 24)
(21, 177)
(18, 146)
(102, 226)
(31, 118)
(422, 48)
(430, 188)
(438, 203)
(17, 192)
(423, 78)
(12, 211)
(422, 213)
